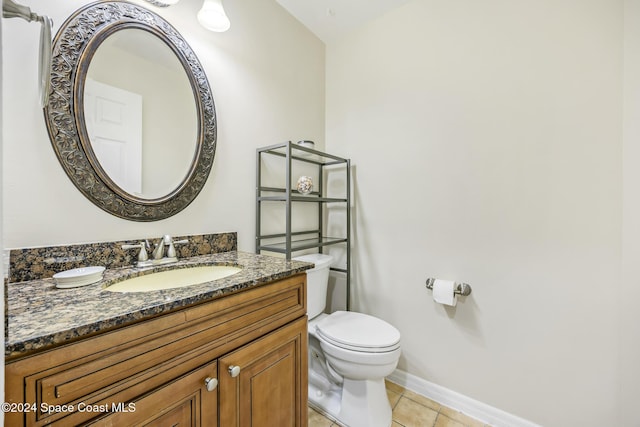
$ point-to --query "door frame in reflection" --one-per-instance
(114, 124)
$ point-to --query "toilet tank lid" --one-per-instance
(358, 330)
(320, 260)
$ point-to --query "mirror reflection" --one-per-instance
(140, 114)
(158, 100)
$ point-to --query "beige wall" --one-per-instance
(629, 315)
(487, 144)
(267, 77)
(1, 238)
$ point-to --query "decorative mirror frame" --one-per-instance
(73, 47)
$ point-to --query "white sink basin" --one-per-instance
(171, 279)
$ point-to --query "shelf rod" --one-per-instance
(288, 200)
(296, 246)
(283, 190)
(335, 160)
(348, 189)
(304, 159)
(270, 149)
(258, 207)
(295, 233)
(301, 199)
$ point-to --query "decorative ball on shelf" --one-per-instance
(305, 185)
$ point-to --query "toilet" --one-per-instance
(350, 354)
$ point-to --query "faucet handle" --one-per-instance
(142, 255)
(171, 252)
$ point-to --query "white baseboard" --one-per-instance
(468, 406)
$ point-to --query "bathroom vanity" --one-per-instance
(229, 353)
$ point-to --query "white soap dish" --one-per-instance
(78, 277)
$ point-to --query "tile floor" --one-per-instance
(410, 410)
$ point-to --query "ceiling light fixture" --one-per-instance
(213, 17)
(163, 3)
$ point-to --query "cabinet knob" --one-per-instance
(234, 371)
(211, 383)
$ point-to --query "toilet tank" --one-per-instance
(317, 282)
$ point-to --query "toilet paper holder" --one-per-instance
(461, 288)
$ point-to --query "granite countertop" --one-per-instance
(40, 316)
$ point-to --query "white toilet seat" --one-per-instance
(358, 332)
(364, 358)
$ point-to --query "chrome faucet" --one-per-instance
(158, 256)
(159, 253)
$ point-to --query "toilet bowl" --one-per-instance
(350, 354)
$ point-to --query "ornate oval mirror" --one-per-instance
(130, 115)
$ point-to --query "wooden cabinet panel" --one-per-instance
(271, 387)
(185, 402)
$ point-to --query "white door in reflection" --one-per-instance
(114, 124)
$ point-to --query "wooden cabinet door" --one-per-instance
(184, 402)
(269, 388)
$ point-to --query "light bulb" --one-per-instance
(213, 17)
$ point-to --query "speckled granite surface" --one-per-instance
(38, 263)
(40, 316)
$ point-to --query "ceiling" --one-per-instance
(331, 19)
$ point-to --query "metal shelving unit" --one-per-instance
(291, 241)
